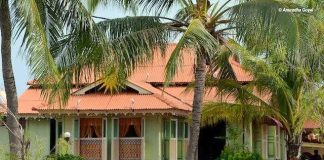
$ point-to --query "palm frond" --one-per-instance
(214, 112)
(111, 49)
(185, 14)
(260, 23)
(40, 28)
(196, 38)
(156, 6)
(220, 65)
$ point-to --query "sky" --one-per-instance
(21, 71)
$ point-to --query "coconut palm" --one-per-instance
(41, 25)
(284, 87)
(113, 47)
(8, 77)
(29, 20)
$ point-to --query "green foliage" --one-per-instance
(64, 157)
(233, 154)
(235, 150)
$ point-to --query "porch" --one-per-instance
(126, 138)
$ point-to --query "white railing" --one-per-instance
(131, 148)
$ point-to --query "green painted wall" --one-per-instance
(153, 132)
(4, 142)
(38, 131)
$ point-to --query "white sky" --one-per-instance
(21, 71)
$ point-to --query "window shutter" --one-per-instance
(271, 141)
(257, 139)
(76, 128)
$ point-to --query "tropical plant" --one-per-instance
(8, 77)
(284, 85)
(241, 154)
(112, 48)
(64, 157)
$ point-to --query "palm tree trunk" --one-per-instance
(9, 80)
(294, 147)
(196, 106)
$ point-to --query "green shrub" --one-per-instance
(238, 154)
(64, 157)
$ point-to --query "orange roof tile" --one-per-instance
(30, 104)
(154, 71)
(151, 72)
(310, 124)
(240, 74)
(187, 96)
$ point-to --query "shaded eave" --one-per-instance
(125, 112)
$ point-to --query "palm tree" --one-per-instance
(39, 26)
(284, 86)
(113, 47)
(8, 77)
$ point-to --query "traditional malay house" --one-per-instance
(142, 121)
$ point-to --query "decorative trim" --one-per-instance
(58, 113)
(97, 83)
(86, 88)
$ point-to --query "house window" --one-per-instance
(278, 144)
(59, 129)
(91, 128)
(257, 136)
(130, 127)
(76, 128)
(186, 130)
(104, 128)
(115, 128)
(283, 144)
(22, 122)
(271, 141)
(166, 126)
(166, 139)
(180, 129)
(173, 129)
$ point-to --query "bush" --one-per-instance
(64, 157)
(234, 154)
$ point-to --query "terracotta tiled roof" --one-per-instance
(311, 124)
(29, 104)
(154, 71)
(146, 74)
(30, 99)
(187, 96)
(240, 74)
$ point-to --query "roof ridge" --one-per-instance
(155, 91)
(175, 97)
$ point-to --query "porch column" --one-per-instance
(153, 134)
(248, 136)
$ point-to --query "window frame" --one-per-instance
(176, 129)
(186, 132)
(76, 128)
(115, 128)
